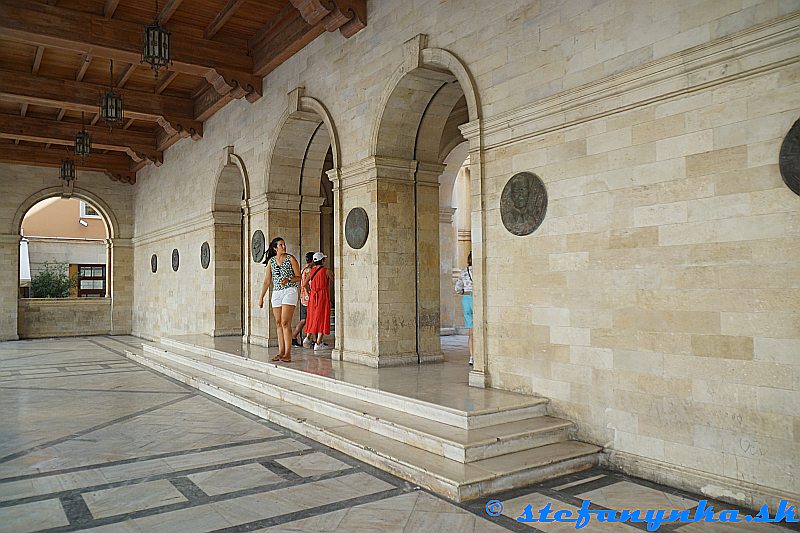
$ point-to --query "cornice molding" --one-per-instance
(742, 54)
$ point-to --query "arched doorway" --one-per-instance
(428, 101)
(299, 200)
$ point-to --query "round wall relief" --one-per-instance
(258, 246)
(523, 203)
(175, 259)
(205, 255)
(356, 228)
(789, 159)
(153, 263)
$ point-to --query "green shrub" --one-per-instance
(52, 281)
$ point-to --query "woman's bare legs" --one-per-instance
(469, 345)
(277, 312)
(285, 329)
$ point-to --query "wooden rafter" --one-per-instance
(109, 8)
(168, 10)
(221, 18)
(165, 81)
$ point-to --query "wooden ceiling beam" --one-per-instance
(221, 18)
(283, 36)
(117, 167)
(82, 96)
(165, 81)
(227, 67)
(86, 60)
(137, 145)
(126, 75)
(168, 10)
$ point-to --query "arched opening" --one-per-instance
(419, 127)
(66, 265)
(299, 194)
(230, 213)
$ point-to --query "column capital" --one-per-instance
(446, 215)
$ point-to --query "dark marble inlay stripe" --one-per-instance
(42, 353)
(128, 344)
(227, 496)
(190, 491)
(165, 455)
(104, 425)
(71, 375)
(313, 511)
(76, 510)
(61, 363)
(280, 470)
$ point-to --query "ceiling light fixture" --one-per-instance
(67, 170)
(155, 51)
(111, 104)
(83, 141)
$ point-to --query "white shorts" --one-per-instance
(284, 297)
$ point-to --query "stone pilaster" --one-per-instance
(9, 285)
(121, 285)
(227, 264)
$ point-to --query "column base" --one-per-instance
(478, 379)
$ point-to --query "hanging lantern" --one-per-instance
(155, 51)
(111, 104)
(67, 170)
(83, 141)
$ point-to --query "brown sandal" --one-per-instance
(286, 359)
(278, 357)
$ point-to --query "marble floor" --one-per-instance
(92, 441)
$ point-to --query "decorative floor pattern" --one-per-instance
(91, 441)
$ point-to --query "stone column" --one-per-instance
(447, 253)
(379, 301)
(463, 216)
(121, 282)
(277, 215)
(226, 260)
(428, 262)
(9, 286)
(479, 375)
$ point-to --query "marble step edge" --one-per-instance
(528, 407)
(582, 458)
(507, 438)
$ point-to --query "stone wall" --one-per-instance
(64, 317)
(657, 304)
(22, 187)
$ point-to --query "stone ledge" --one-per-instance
(738, 492)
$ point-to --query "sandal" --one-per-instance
(278, 357)
(286, 359)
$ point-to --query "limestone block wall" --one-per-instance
(64, 317)
(21, 187)
(170, 302)
(661, 292)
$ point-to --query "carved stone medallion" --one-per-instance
(205, 255)
(523, 203)
(356, 228)
(153, 263)
(175, 259)
(258, 246)
(789, 159)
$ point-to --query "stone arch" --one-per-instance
(109, 218)
(232, 184)
(411, 89)
(293, 142)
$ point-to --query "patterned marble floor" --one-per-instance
(91, 441)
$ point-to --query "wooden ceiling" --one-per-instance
(56, 58)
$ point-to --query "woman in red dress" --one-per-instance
(318, 320)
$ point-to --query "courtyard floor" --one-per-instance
(92, 441)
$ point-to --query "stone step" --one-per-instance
(515, 407)
(455, 480)
(448, 441)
